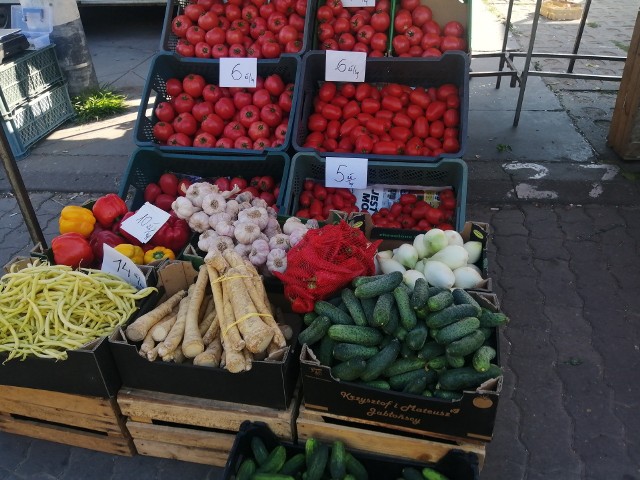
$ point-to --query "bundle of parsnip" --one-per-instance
(223, 320)
(46, 310)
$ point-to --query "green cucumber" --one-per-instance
(436, 290)
(274, 461)
(294, 465)
(427, 393)
(354, 307)
(246, 470)
(437, 363)
(259, 450)
(394, 321)
(309, 317)
(450, 315)
(431, 474)
(440, 301)
(400, 333)
(492, 319)
(400, 381)
(447, 394)
(420, 294)
(482, 358)
(382, 311)
(453, 361)
(356, 282)
(378, 383)
(271, 476)
(324, 351)
(347, 351)
(466, 377)
(403, 365)
(368, 305)
(338, 460)
(410, 473)
(466, 345)
(417, 385)
(366, 336)
(343, 307)
(462, 297)
(405, 351)
(407, 315)
(381, 361)
(335, 314)
(349, 370)
(317, 461)
(355, 468)
(314, 332)
(457, 330)
(431, 350)
(417, 337)
(383, 284)
(487, 332)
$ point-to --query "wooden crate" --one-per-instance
(194, 429)
(82, 421)
(365, 437)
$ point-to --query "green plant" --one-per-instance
(503, 147)
(593, 24)
(621, 45)
(98, 104)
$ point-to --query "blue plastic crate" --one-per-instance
(147, 164)
(171, 65)
(452, 67)
(37, 119)
(446, 172)
(169, 40)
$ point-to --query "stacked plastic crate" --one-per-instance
(34, 99)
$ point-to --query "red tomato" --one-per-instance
(431, 26)
(331, 112)
(325, 31)
(257, 130)
(393, 104)
(193, 11)
(414, 146)
(271, 49)
(212, 124)
(208, 20)
(180, 24)
(274, 84)
(346, 42)
(453, 29)
(451, 133)
(420, 15)
(419, 97)
(327, 91)
(162, 131)
(414, 34)
(402, 120)
(179, 139)
(165, 112)
(402, 21)
(436, 129)
(219, 51)
(379, 41)
(350, 110)
(348, 90)
(401, 44)
(401, 134)
(185, 123)
(195, 34)
(409, 4)
(414, 111)
(363, 144)
(445, 90)
(234, 130)
(385, 148)
(365, 33)
(201, 110)
(452, 43)
(204, 140)
(451, 118)
(173, 87)
(432, 52)
(432, 144)
(421, 127)
(435, 110)
(183, 103)
(369, 105)
(380, 21)
(319, 192)
(451, 145)
(261, 97)
(317, 123)
(271, 114)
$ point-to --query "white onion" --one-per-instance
(420, 245)
(474, 249)
(453, 256)
(466, 277)
(436, 240)
(410, 277)
(388, 265)
(407, 255)
(438, 274)
(453, 237)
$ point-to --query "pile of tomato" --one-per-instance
(316, 201)
(389, 120)
(354, 28)
(205, 115)
(240, 28)
(417, 34)
(411, 213)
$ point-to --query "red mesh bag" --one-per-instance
(324, 262)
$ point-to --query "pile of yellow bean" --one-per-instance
(46, 310)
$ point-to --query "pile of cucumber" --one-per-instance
(428, 341)
(319, 461)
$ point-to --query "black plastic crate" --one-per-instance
(456, 464)
(147, 164)
(169, 40)
(452, 67)
(447, 172)
(171, 65)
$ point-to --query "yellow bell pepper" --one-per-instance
(158, 253)
(134, 252)
(77, 220)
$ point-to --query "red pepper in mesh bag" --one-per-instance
(324, 262)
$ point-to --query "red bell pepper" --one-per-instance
(174, 234)
(108, 209)
(131, 239)
(72, 249)
(98, 239)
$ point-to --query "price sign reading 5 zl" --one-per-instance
(345, 66)
(238, 72)
(122, 266)
(346, 172)
(145, 222)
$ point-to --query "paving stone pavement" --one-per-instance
(565, 272)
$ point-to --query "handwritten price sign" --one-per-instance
(358, 3)
(346, 172)
(145, 222)
(238, 72)
(118, 264)
(345, 66)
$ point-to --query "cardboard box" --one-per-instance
(88, 370)
(471, 417)
(268, 383)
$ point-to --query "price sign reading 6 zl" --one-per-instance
(145, 222)
(345, 66)
(238, 72)
(346, 172)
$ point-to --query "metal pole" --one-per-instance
(19, 190)
(576, 45)
(507, 26)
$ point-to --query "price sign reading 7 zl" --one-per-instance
(345, 66)
(238, 72)
(346, 172)
(145, 222)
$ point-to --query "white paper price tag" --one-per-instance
(145, 222)
(358, 3)
(345, 66)
(346, 172)
(122, 266)
(238, 72)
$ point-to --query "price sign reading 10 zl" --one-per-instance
(346, 172)
(345, 66)
(238, 72)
